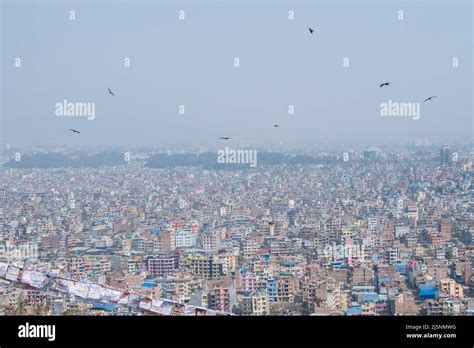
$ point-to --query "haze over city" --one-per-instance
(190, 62)
(237, 158)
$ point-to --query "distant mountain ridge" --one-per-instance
(56, 160)
(208, 160)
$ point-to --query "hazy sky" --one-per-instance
(191, 63)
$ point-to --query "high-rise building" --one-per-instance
(206, 266)
(255, 303)
(445, 155)
(210, 241)
(221, 296)
(161, 265)
(451, 288)
(167, 241)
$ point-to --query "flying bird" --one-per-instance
(224, 138)
(429, 98)
(311, 30)
(275, 125)
(385, 84)
(74, 131)
(111, 92)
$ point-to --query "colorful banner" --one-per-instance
(134, 300)
(123, 300)
(189, 310)
(79, 289)
(95, 292)
(165, 308)
(61, 284)
(92, 291)
(178, 309)
(201, 311)
(156, 305)
(145, 303)
(33, 278)
(111, 295)
(12, 273)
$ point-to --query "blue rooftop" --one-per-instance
(105, 307)
(400, 268)
(155, 230)
(427, 291)
(370, 297)
(427, 287)
(354, 311)
(149, 284)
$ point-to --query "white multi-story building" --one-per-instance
(185, 238)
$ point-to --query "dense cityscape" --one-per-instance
(369, 231)
(299, 173)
